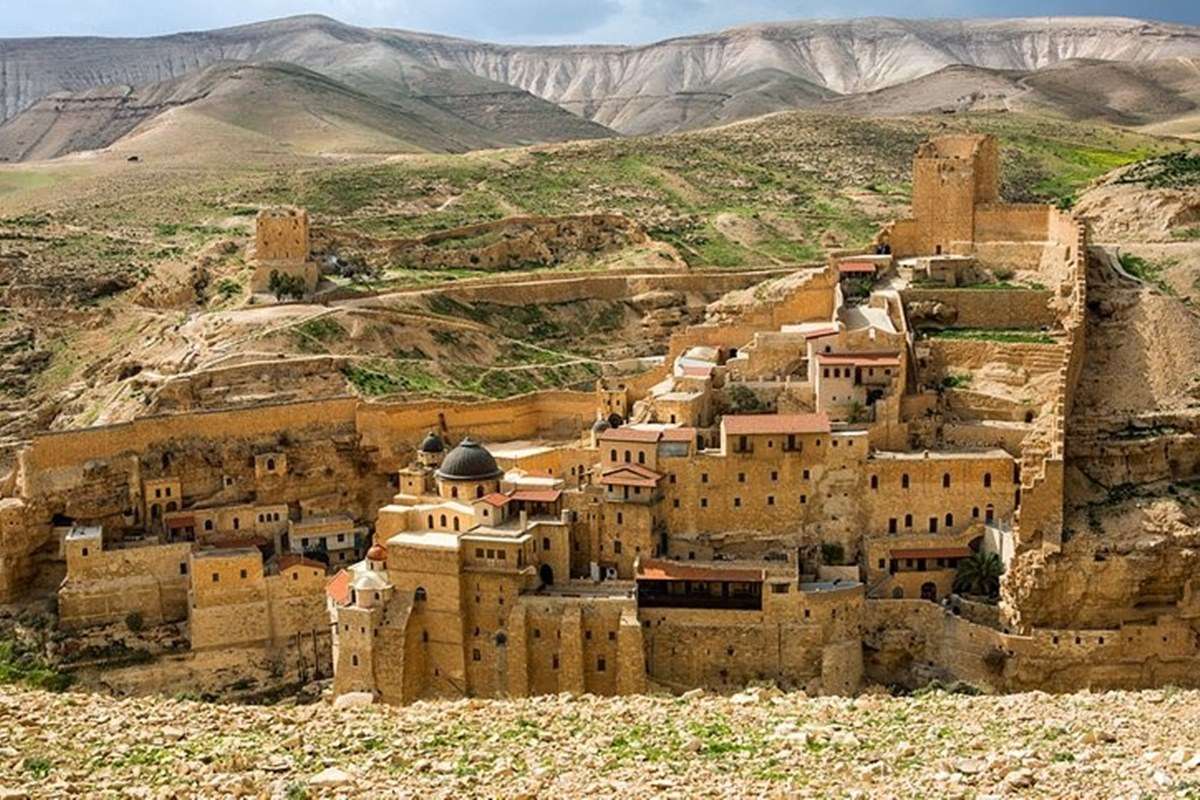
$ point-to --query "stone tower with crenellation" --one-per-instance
(952, 176)
(281, 245)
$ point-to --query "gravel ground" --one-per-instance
(755, 744)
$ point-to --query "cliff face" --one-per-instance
(652, 88)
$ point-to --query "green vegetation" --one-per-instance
(228, 288)
(20, 664)
(285, 286)
(1179, 170)
(1147, 271)
(379, 377)
(743, 400)
(979, 574)
(987, 335)
(833, 554)
(959, 381)
(38, 766)
(1186, 234)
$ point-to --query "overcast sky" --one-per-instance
(527, 21)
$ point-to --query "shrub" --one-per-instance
(134, 621)
(743, 400)
(995, 659)
(832, 553)
(228, 288)
(286, 286)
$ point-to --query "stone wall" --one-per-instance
(107, 585)
(983, 308)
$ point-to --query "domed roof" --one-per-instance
(369, 581)
(600, 426)
(470, 461)
(432, 443)
(377, 552)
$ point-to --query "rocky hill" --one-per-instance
(519, 93)
(758, 743)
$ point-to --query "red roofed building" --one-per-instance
(673, 584)
(856, 268)
(337, 589)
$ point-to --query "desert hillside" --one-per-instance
(757, 743)
(1121, 70)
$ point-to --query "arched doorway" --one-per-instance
(546, 573)
(929, 591)
(897, 593)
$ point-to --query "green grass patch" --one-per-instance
(1148, 271)
(378, 378)
(1178, 170)
(19, 664)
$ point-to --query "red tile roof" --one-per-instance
(749, 424)
(289, 560)
(630, 475)
(630, 435)
(819, 332)
(932, 552)
(696, 370)
(652, 570)
(856, 266)
(537, 495)
(495, 499)
(183, 521)
(337, 588)
(679, 435)
(859, 359)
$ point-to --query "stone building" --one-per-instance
(281, 246)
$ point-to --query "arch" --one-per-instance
(628, 456)
(897, 593)
(172, 506)
(989, 513)
(949, 520)
(456, 523)
(453, 493)
(442, 520)
(546, 573)
(208, 524)
(478, 491)
(641, 456)
(987, 480)
(270, 465)
(908, 520)
(430, 521)
(420, 595)
(155, 511)
(612, 455)
(929, 591)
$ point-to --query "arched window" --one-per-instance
(628, 458)
(949, 520)
(612, 455)
(270, 465)
(237, 523)
(419, 596)
(641, 456)
(430, 520)
(478, 491)
(908, 520)
(874, 481)
(975, 512)
(208, 525)
(454, 491)
(456, 523)
(946, 480)
(443, 520)
(987, 480)
(904, 481)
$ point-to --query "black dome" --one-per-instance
(600, 425)
(470, 461)
(432, 443)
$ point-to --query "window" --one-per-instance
(803, 499)
(904, 481)
(341, 537)
(949, 520)
(456, 523)
(805, 474)
(502, 555)
(475, 655)
(704, 477)
(774, 475)
(430, 521)
(987, 480)
(243, 575)
(453, 493)
(741, 477)
(933, 523)
(737, 502)
(600, 664)
(892, 525)
(208, 524)
(627, 457)
(946, 481)
(882, 563)
(479, 552)
(874, 481)
(84, 551)
(183, 568)
(216, 577)
(612, 455)
(908, 520)
(442, 520)
(675, 503)
(545, 542)
(270, 465)
(617, 547)
(354, 660)
(620, 518)
(975, 512)
(641, 456)
(420, 596)
(779, 588)
(554, 661)
(704, 502)
(770, 499)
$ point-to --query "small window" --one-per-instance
(216, 577)
(987, 480)
(704, 477)
(243, 574)
(737, 502)
(770, 499)
(617, 547)
(908, 520)
(600, 664)
(946, 480)
(704, 502)
(774, 475)
(420, 596)
(741, 477)
(874, 481)
(949, 520)
(84, 551)
(354, 660)
(904, 481)
(475, 655)
(803, 499)
(183, 568)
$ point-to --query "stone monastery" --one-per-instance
(788, 494)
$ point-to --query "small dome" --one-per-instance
(470, 461)
(600, 426)
(377, 553)
(369, 582)
(432, 443)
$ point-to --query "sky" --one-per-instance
(528, 21)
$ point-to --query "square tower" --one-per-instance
(951, 176)
(281, 248)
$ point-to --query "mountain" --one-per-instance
(459, 94)
(285, 108)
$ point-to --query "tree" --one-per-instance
(743, 400)
(284, 286)
(979, 574)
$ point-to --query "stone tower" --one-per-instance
(952, 175)
(281, 245)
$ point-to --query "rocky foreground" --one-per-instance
(755, 744)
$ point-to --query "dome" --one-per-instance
(369, 582)
(432, 443)
(377, 553)
(470, 461)
(600, 426)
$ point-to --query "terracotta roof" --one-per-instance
(229, 540)
(860, 359)
(337, 588)
(537, 495)
(856, 266)
(679, 435)
(748, 424)
(651, 570)
(289, 560)
(696, 370)
(630, 435)
(932, 552)
(634, 476)
(496, 499)
(183, 521)
(819, 332)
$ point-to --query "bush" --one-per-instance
(286, 286)
(995, 659)
(134, 621)
(832, 554)
(743, 400)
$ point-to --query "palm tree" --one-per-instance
(979, 574)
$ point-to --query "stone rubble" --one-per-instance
(705, 745)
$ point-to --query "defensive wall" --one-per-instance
(988, 308)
